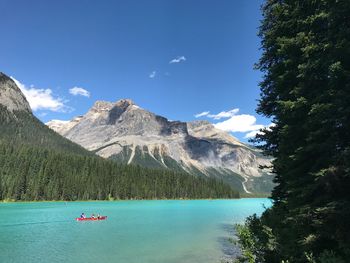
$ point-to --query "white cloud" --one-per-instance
(204, 113)
(239, 123)
(42, 99)
(223, 114)
(177, 59)
(79, 91)
(252, 134)
(153, 74)
(244, 123)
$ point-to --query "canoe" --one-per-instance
(91, 219)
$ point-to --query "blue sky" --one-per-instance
(175, 58)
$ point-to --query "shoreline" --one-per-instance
(123, 200)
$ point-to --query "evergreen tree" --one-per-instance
(306, 92)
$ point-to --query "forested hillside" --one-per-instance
(21, 127)
(32, 173)
(38, 164)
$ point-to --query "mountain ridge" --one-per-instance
(125, 132)
(36, 163)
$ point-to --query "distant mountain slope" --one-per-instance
(127, 133)
(19, 125)
(11, 96)
(36, 163)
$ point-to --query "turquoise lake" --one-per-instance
(135, 231)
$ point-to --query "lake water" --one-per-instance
(135, 231)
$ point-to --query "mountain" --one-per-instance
(11, 96)
(36, 163)
(125, 132)
(19, 126)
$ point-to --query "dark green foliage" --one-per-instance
(38, 164)
(123, 156)
(306, 91)
(255, 239)
(144, 159)
(32, 173)
(172, 164)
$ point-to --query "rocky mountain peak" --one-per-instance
(119, 106)
(125, 132)
(61, 126)
(124, 103)
(205, 129)
(11, 96)
(101, 105)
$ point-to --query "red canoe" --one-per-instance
(91, 219)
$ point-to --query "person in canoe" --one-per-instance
(98, 216)
(93, 216)
(82, 215)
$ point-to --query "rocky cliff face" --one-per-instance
(127, 133)
(11, 96)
